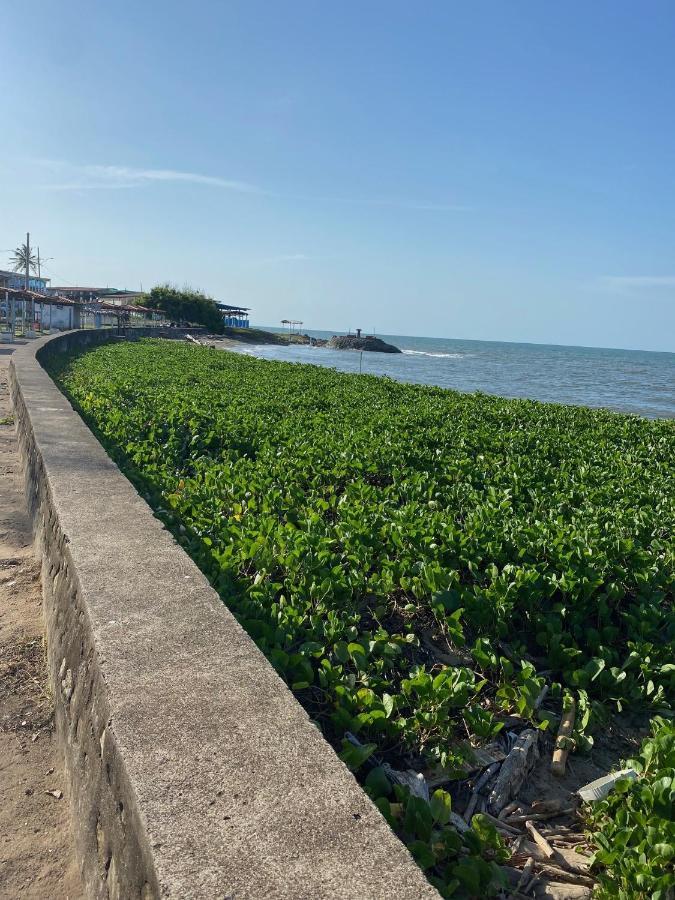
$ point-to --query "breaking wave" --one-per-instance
(437, 355)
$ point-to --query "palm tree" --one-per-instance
(21, 256)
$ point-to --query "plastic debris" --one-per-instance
(601, 787)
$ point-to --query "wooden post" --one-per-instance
(562, 744)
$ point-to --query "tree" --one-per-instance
(19, 257)
(186, 305)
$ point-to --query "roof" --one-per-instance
(15, 274)
(115, 307)
(21, 294)
(225, 307)
(97, 290)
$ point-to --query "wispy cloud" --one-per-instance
(97, 177)
(631, 283)
(66, 176)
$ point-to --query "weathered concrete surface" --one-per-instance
(195, 773)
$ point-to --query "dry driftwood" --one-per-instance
(528, 848)
(486, 776)
(514, 770)
(540, 840)
(530, 884)
(508, 809)
(544, 806)
(569, 859)
(446, 655)
(527, 873)
(479, 785)
(541, 697)
(556, 874)
(562, 749)
(458, 822)
(414, 781)
(501, 826)
(538, 816)
(568, 841)
(471, 808)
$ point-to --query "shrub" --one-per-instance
(634, 827)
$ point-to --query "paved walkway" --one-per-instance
(36, 858)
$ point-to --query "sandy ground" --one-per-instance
(36, 857)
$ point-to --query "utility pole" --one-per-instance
(38, 264)
(29, 303)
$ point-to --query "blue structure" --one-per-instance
(234, 316)
(17, 281)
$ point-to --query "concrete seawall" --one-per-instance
(194, 771)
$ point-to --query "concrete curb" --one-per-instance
(194, 771)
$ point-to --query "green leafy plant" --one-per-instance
(634, 827)
(408, 558)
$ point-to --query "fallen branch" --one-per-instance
(562, 744)
(527, 873)
(519, 879)
(539, 817)
(541, 697)
(540, 840)
(557, 874)
(514, 770)
(479, 785)
(458, 822)
(501, 826)
(508, 810)
(486, 776)
(542, 806)
(471, 807)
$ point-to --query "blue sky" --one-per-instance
(500, 171)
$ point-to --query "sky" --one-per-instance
(485, 170)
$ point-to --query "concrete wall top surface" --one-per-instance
(234, 793)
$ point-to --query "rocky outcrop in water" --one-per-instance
(366, 342)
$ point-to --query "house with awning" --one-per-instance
(234, 316)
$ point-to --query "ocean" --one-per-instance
(631, 381)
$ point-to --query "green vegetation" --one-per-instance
(255, 335)
(186, 305)
(260, 336)
(409, 559)
(634, 827)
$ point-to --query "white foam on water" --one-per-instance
(436, 355)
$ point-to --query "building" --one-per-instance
(89, 294)
(17, 281)
(29, 311)
(56, 313)
(234, 316)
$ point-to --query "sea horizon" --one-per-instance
(279, 329)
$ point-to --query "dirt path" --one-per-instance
(36, 857)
